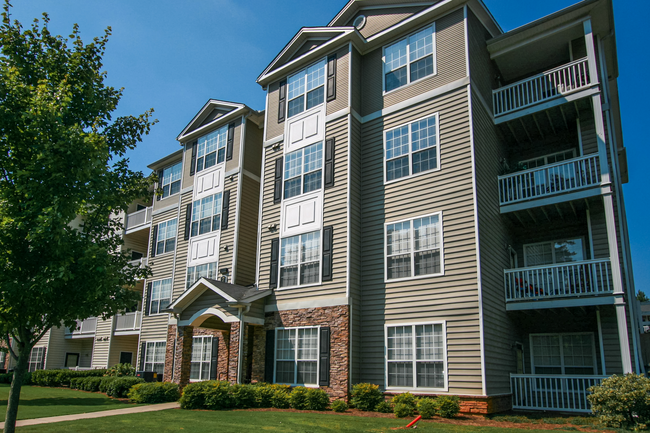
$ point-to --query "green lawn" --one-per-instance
(248, 421)
(36, 402)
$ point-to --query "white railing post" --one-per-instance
(549, 392)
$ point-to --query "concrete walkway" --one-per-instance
(138, 409)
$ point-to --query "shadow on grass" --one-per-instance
(67, 402)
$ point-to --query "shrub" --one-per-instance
(62, 377)
(384, 407)
(403, 410)
(120, 370)
(298, 398)
(281, 399)
(217, 395)
(242, 396)
(6, 377)
(622, 401)
(407, 398)
(154, 392)
(339, 406)
(366, 396)
(317, 399)
(194, 395)
(426, 407)
(120, 387)
(447, 406)
(76, 382)
(264, 395)
(90, 383)
(104, 382)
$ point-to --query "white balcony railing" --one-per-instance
(543, 87)
(84, 327)
(547, 392)
(139, 262)
(565, 176)
(138, 218)
(591, 277)
(128, 321)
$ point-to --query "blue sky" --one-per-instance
(175, 55)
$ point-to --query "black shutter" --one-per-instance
(282, 102)
(154, 241)
(331, 78)
(275, 252)
(269, 356)
(231, 139)
(43, 358)
(328, 233)
(147, 306)
(277, 185)
(214, 362)
(224, 210)
(143, 350)
(324, 355)
(160, 179)
(329, 162)
(188, 221)
(193, 166)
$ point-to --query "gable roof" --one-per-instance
(353, 6)
(200, 123)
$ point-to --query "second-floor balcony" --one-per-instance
(128, 323)
(138, 219)
(85, 328)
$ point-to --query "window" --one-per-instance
(201, 357)
(415, 356)
(206, 215)
(161, 295)
(303, 170)
(300, 260)
(412, 148)
(36, 359)
(166, 238)
(548, 253)
(306, 89)
(410, 59)
(296, 356)
(414, 248)
(549, 159)
(563, 353)
(154, 356)
(170, 182)
(208, 270)
(211, 149)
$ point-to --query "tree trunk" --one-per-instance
(14, 393)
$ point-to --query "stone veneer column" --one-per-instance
(169, 354)
(259, 347)
(183, 355)
(234, 352)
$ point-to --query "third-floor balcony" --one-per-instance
(128, 323)
(84, 329)
(138, 220)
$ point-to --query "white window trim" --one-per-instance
(147, 343)
(161, 185)
(303, 71)
(216, 265)
(410, 152)
(416, 389)
(295, 373)
(209, 362)
(217, 163)
(151, 297)
(37, 364)
(158, 234)
(408, 61)
(212, 216)
(320, 263)
(442, 249)
(560, 334)
(302, 173)
(553, 242)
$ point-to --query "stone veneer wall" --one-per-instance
(234, 353)
(471, 403)
(259, 348)
(337, 319)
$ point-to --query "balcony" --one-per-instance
(545, 87)
(139, 219)
(548, 392)
(549, 180)
(85, 328)
(143, 261)
(128, 323)
(587, 278)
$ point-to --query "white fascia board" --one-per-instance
(212, 103)
(188, 296)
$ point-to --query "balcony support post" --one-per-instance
(591, 52)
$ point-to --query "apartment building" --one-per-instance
(427, 203)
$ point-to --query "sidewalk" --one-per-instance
(139, 409)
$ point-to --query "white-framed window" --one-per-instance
(414, 248)
(416, 356)
(170, 182)
(563, 353)
(410, 59)
(166, 237)
(36, 359)
(300, 260)
(154, 356)
(211, 149)
(206, 215)
(306, 89)
(201, 358)
(3, 359)
(207, 270)
(161, 295)
(412, 149)
(552, 252)
(296, 356)
(303, 170)
(549, 159)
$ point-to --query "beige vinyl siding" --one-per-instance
(247, 241)
(380, 19)
(234, 162)
(208, 299)
(273, 128)
(453, 297)
(227, 237)
(59, 346)
(55, 352)
(188, 180)
(355, 234)
(482, 70)
(356, 80)
(172, 199)
(270, 216)
(253, 148)
(342, 81)
(498, 330)
(123, 343)
(450, 61)
(154, 328)
(136, 242)
(304, 48)
(257, 309)
(162, 264)
(102, 345)
(182, 250)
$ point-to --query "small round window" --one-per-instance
(359, 22)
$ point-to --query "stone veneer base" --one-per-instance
(474, 404)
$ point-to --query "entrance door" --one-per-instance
(126, 358)
(71, 360)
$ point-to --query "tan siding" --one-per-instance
(355, 199)
(450, 60)
(234, 162)
(482, 70)
(305, 48)
(55, 352)
(270, 216)
(136, 242)
(273, 128)
(123, 343)
(162, 265)
(248, 218)
(154, 328)
(102, 346)
(253, 148)
(380, 19)
(342, 81)
(182, 246)
(227, 237)
(257, 309)
(188, 180)
(209, 299)
(452, 297)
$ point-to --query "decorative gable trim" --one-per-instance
(196, 126)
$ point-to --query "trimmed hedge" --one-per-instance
(120, 386)
(62, 377)
(8, 377)
(86, 383)
(154, 392)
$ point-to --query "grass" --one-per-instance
(543, 418)
(177, 420)
(37, 402)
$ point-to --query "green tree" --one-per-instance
(641, 296)
(63, 179)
